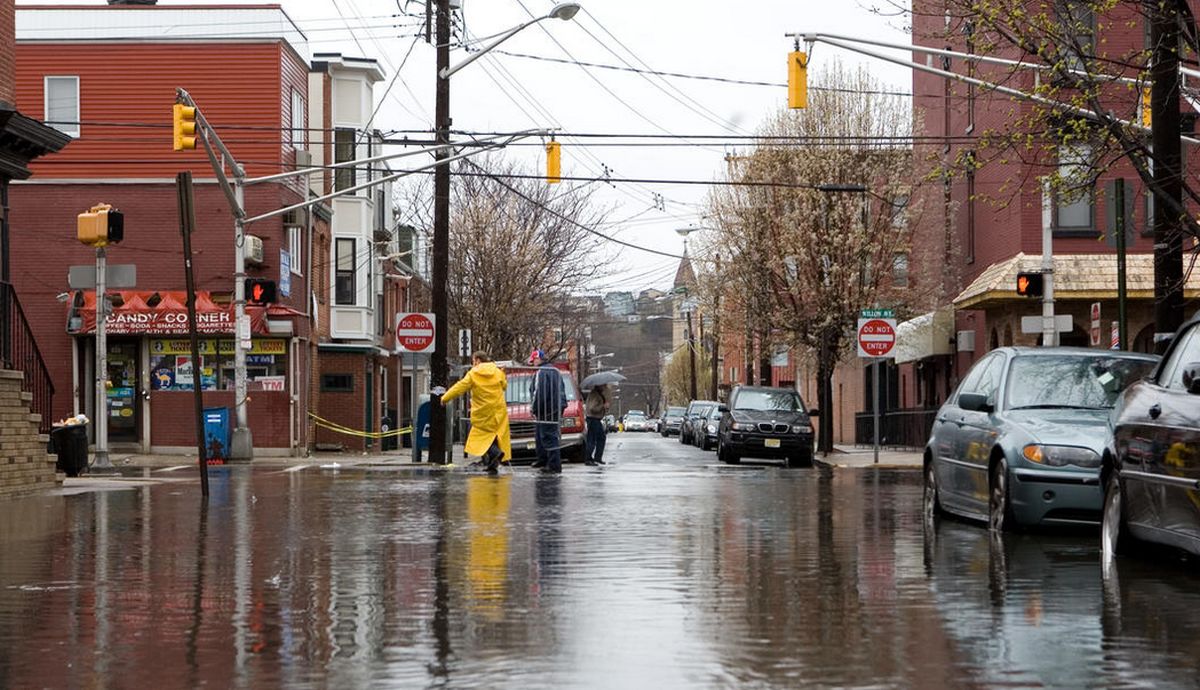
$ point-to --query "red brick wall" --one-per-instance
(171, 417)
(347, 409)
(7, 55)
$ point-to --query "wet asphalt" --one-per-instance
(663, 569)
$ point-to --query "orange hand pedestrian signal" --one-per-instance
(259, 291)
(1029, 284)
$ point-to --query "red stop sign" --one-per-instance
(414, 332)
(876, 337)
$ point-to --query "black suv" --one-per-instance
(764, 422)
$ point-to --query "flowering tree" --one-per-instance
(817, 227)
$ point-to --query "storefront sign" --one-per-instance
(167, 317)
(285, 273)
(178, 346)
(271, 383)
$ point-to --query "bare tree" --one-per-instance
(819, 233)
(519, 251)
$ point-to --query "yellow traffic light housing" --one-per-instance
(797, 79)
(553, 162)
(185, 127)
(1146, 106)
(100, 226)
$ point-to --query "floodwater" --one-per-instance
(662, 570)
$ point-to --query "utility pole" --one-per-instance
(100, 460)
(1164, 134)
(691, 345)
(441, 235)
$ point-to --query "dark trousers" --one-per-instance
(547, 439)
(596, 437)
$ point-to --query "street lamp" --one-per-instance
(440, 373)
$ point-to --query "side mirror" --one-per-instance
(814, 412)
(974, 402)
(1191, 377)
(722, 409)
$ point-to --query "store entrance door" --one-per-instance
(124, 412)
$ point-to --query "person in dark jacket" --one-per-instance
(595, 407)
(548, 400)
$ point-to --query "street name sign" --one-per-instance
(414, 332)
(116, 276)
(1033, 324)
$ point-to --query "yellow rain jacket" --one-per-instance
(489, 412)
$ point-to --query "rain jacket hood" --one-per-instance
(486, 383)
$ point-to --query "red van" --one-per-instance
(520, 419)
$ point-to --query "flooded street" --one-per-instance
(662, 569)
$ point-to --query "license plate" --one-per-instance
(531, 445)
(771, 443)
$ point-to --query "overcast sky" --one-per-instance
(739, 41)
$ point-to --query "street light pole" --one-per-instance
(440, 373)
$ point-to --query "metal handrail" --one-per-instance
(19, 352)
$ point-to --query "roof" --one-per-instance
(684, 275)
(1076, 276)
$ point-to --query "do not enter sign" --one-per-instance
(876, 337)
(414, 332)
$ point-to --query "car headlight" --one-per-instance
(739, 426)
(712, 429)
(570, 421)
(1059, 456)
(799, 428)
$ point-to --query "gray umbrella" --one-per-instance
(600, 378)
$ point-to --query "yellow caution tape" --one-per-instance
(334, 426)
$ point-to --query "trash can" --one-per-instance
(216, 434)
(70, 443)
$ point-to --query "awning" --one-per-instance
(1090, 277)
(133, 315)
(924, 336)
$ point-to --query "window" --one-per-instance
(295, 248)
(1078, 22)
(1186, 351)
(298, 128)
(900, 270)
(1074, 198)
(343, 152)
(337, 383)
(344, 288)
(62, 104)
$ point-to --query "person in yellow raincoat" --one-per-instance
(489, 437)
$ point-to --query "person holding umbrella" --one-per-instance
(595, 407)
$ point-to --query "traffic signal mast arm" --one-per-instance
(853, 45)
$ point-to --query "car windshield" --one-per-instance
(520, 386)
(675, 411)
(1072, 381)
(635, 415)
(786, 401)
(702, 410)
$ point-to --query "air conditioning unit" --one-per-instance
(254, 249)
(303, 159)
(965, 340)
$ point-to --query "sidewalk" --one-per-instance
(864, 457)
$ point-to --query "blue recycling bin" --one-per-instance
(216, 435)
(421, 431)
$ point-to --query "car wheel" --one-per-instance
(1114, 533)
(724, 455)
(931, 504)
(1000, 515)
(800, 459)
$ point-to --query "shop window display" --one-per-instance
(172, 369)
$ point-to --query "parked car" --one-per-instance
(672, 419)
(704, 434)
(653, 424)
(695, 410)
(610, 422)
(520, 418)
(1019, 443)
(635, 420)
(1151, 464)
(765, 422)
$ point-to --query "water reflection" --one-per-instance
(671, 577)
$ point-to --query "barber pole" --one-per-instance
(1115, 339)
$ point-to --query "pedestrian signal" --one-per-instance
(1029, 284)
(259, 291)
(100, 226)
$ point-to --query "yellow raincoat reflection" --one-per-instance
(488, 501)
(489, 413)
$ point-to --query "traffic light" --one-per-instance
(185, 127)
(100, 226)
(553, 162)
(797, 79)
(1029, 284)
(259, 291)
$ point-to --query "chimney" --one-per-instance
(8, 37)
